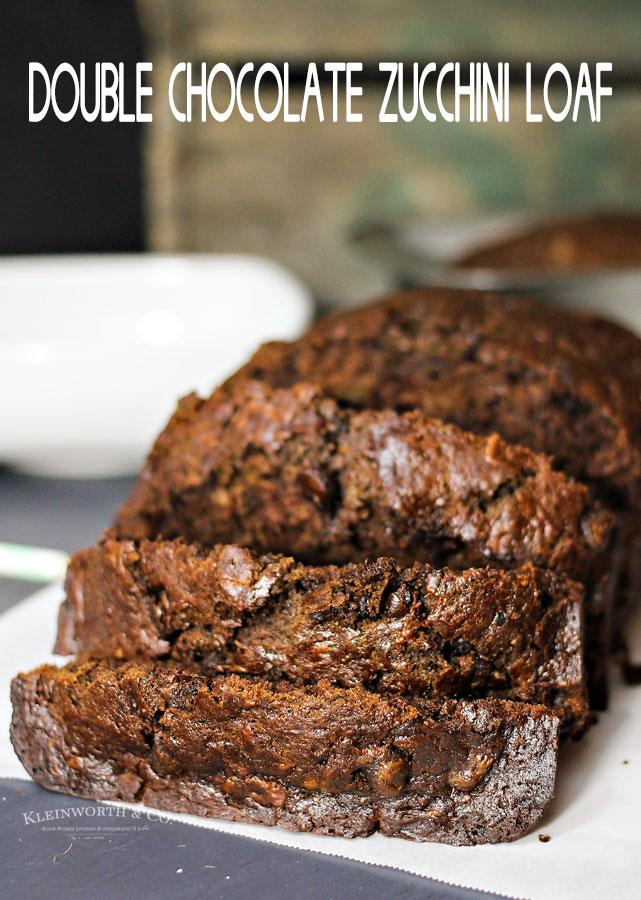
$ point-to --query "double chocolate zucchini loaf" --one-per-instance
(364, 585)
(565, 384)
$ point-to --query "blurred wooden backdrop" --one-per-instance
(299, 192)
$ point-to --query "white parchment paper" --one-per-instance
(594, 822)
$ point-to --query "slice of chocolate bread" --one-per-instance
(420, 631)
(458, 772)
(290, 471)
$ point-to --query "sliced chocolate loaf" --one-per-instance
(566, 384)
(420, 631)
(459, 772)
(293, 472)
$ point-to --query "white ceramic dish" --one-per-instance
(95, 350)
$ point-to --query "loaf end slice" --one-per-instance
(319, 758)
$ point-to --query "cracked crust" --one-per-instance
(459, 772)
(416, 630)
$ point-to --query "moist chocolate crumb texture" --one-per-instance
(293, 472)
(438, 634)
(562, 383)
(340, 761)
(598, 241)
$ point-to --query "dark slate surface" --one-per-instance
(140, 858)
(116, 857)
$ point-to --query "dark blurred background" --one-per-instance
(73, 186)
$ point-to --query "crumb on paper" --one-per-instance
(625, 762)
(544, 838)
(58, 856)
